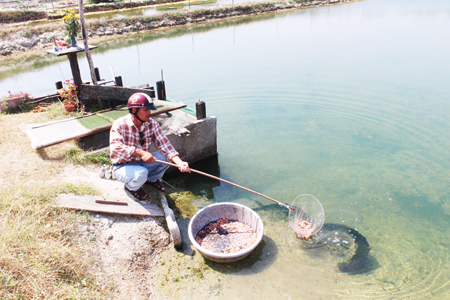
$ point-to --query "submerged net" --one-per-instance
(308, 216)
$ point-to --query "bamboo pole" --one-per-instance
(86, 46)
(229, 182)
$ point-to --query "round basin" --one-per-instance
(231, 211)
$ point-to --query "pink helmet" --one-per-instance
(139, 100)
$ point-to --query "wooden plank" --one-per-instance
(141, 86)
(54, 93)
(49, 134)
(110, 201)
(88, 203)
(42, 95)
(99, 129)
(70, 50)
(115, 93)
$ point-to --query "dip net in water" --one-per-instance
(226, 236)
(308, 216)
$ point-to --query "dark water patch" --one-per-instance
(339, 240)
(346, 244)
(361, 261)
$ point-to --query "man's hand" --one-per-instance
(148, 157)
(145, 156)
(182, 165)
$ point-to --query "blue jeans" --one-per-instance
(135, 174)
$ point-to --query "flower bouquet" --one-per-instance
(68, 95)
(71, 21)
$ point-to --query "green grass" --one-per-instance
(95, 121)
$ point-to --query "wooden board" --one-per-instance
(55, 132)
(70, 50)
(116, 93)
(90, 203)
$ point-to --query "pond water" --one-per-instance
(348, 103)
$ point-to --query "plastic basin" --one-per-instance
(231, 211)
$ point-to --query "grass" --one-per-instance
(80, 157)
(57, 111)
(41, 254)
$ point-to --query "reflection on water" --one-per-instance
(347, 103)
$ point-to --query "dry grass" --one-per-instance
(80, 157)
(42, 253)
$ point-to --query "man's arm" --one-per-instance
(149, 158)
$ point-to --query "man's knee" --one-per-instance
(141, 175)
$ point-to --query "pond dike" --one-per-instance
(192, 16)
(40, 38)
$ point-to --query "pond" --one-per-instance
(348, 103)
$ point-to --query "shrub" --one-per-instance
(21, 16)
(99, 1)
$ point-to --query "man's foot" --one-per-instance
(138, 195)
(158, 185)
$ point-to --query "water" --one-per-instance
(347, 103)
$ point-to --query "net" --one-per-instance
(308, 216)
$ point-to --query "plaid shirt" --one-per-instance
(124, 140)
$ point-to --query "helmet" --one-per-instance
(139, 100)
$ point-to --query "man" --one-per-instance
(130, 139)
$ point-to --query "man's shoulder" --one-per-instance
(152, 123)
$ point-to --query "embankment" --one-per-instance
(26, 39)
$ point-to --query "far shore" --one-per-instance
(28, 40)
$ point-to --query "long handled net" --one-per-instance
(306, 215)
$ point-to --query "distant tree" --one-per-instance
(99, 1)
(21, 16)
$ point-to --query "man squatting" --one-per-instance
(130, 140)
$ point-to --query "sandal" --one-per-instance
(138, 195)
(158, 185)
